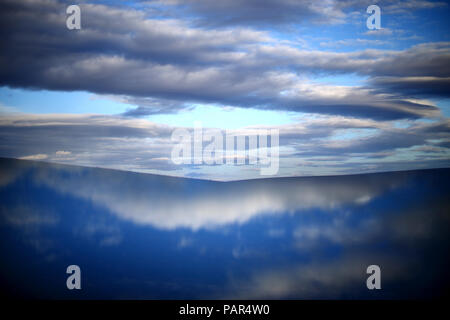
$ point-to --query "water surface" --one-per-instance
(141, 236)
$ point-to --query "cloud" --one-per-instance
(391, 138)
(90, 138)
(100, 231)
(27, 217)
(165, 65)
(276, 233)
(263, 13)
(315, 256)
(396, 7)
(63, 153)
(354, 236)
(379, 32)
(170, 205)
(332, 143)
(284, 13)
(39, 156)
(351, 42)
(185, 242)
(335, 279)
(30, 222)
(413, 86)
(168, 64)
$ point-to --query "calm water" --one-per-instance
(139, 236)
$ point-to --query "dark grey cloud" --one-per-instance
(148, 106)
(263, 12)
(165, 65)
(398, 165)
(427, 59)
(413, 86)
(107, 141)
(283, 13)
(138, 145)
(385, 140)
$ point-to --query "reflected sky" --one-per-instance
(140, 236)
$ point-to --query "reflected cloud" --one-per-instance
(103, 232)
(26, 217)
(280, 238)
(169, 203)
(338, 231)
(30, 223)
(337, 279)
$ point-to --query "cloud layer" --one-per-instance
(165, 64)
(167, 57)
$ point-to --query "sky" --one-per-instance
(344, 99)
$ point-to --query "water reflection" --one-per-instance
(145, 236)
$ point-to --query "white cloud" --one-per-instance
(40, 156)
(63, 153)
(379, 32)
(169, 206)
